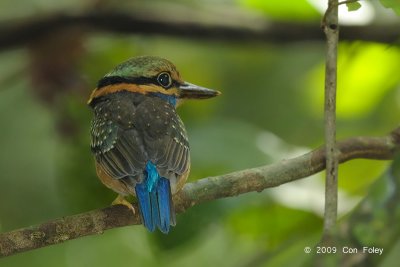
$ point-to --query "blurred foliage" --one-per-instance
(354, 65)
(393, 4)
(271, 108)
(373, 222)
(299, 10)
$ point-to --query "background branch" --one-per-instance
(25, 31)
(227, 185)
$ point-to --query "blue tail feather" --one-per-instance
(145, 206)
(155, 209)
(163, 194)
(155, 202)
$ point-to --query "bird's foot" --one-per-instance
(120, 200)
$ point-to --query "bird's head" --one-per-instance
(150, 75)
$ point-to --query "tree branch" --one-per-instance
(227, 185)
(330, 25)
(23, 32)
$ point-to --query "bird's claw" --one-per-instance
(120, 200)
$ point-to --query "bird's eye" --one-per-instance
(164, 79)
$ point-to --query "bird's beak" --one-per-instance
(192, 91)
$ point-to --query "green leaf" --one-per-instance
(393, 4)
(353, 6)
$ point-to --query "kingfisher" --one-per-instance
(139, 142)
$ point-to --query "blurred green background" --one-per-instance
(271, 109)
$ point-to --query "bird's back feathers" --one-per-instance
(142, 142)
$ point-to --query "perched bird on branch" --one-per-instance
(139, 142)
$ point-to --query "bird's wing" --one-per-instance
(164, 137)
(116, 143)
(126, 136)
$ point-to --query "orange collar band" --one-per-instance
(135, 88)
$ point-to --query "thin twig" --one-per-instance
(331, 29)
(227, 185)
